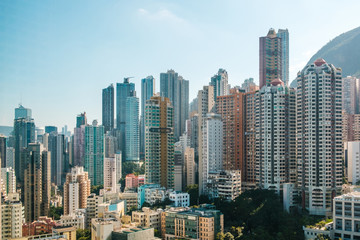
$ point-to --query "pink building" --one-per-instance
(133, 181)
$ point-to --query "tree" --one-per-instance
(83, 234)
(56, 212)
(322, 237)
(96, 189)
(193, 191)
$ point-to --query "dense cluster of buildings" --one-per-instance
(299, 142)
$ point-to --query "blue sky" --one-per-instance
(56, 56)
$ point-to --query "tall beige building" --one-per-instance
(189, 159)
(36, 181)
(12, 218)
(76, 190)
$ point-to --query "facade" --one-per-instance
(59, 163)
(12, 213)
(102, 228)
(141, 193)
(270, 58)
(319, 131)
(249, 85)
(111, 178)
(176, 89)
(147, 218)
(123, 91)
(351, 127)
(92, 208)
(159, 142)
(76, 190)
(206, 104)
(3, 150)
(22, 112)
(346, 216)
(108, 108)
(39, 226)
(190, 167)
(220, 83)
(134, 233)
(180, 199)
(251, 166)
(353, 160)
(10, 157)
(276, 135)
(76, 219)
(224, 184)
(283, 34)
(94, 153)
(132, 142)
(231, 109)
(36, 182)
(147, 91)
(8, 180)
(79, 140)
(196, 223)
(133, 181)
(212, 148)
(24, 132)
(349, 94)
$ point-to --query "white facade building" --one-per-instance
(12, 219)
(180, 199)
(8, 180)
(353, 158)
(110, 174)
(147, 218)
(76, 219)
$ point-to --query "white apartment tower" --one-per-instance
(275, 135)
(319, 135)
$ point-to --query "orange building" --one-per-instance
(41, 226)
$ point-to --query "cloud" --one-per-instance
(161, 15)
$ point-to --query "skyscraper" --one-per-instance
(176, 88)
(284, 35)
(24, 131)
(94, 153)
(159, 142)
(206, 104)
(270, 58)
(50, 129)
(76, 190)
(132, 143)
(37, 182)
(123, 90)
(319, 135)
(212, 149)
(56, 145)
(147, 91)
(22, 112)
(3, 150)
(79, 140)
(220, 83)
(108, 108)
(231, 109)
(276, 136)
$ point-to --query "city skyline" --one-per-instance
(101, 47)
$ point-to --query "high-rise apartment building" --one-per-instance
(123, 91)
(8, 180)
(212, 148)
(231, 109)
(283, 34)
(76, 190)
(249, 85)
(270, 58)
(3, 150)
(350, 95)
(94, 153)
(24, 132)
(159, 142)
(111, 178)
(79, 140)
(220, 83)
(319, 135)
(37, 183)
(276, 135)
(176, 88)
(147, 91)
(206, 104)
(190, 167)
(132, 143)
(57, 147)
(108, 108)
(10, 157)
(351, 127)
(51, 129)
(11, 219)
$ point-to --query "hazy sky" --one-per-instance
(57, 56)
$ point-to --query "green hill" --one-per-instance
(343, 51)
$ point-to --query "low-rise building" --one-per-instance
(148, 218)
(195, 223)
(134, 233)
(131, 199)
(67, 231)
(76, 219)
(42, 225)
(102, 228)
(92, 208)
(180, 199)
(224, 184)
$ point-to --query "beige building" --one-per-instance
(12, 213)
(147, 218)
(102, 228)
(92, 208)
(76, 190)
(189, 159)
